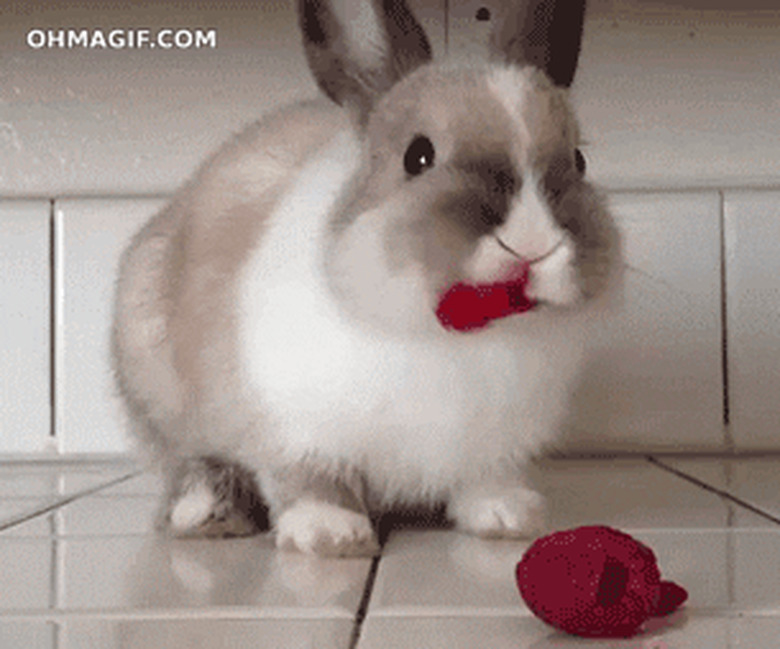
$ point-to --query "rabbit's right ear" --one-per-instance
(544, 33)
(358, 49)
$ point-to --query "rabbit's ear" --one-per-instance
(544, 33)
(357, 49)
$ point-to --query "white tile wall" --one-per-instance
(38, 635)
(681, 94)
(26, 573)
(753, 301)
(91, 234)
(655, 380)
(86, 121)
(670, 94)
(25, 412)
(137, 120)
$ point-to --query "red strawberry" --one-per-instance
(466, 307)
(594, 582)
(671, 598)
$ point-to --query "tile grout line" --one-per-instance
(773, 453)
(362, 612)
(715, 490)
(606, 186)
(57, 628)
(246, 613)
(52, 324)
(728, 436)
(60, 502)
(447, 18)
(731, 561)
(57, 325)
(53, 572)
(250, 614)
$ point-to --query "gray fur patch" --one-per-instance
(238, 508)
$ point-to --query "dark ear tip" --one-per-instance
(543, 33)
(349, 79)
(580, 162)
(563, 66)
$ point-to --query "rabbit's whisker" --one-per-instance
(658, 282)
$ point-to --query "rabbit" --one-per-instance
(275, 333)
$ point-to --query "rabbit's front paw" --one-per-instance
(200, 513)
(500, 512)
(316, 527)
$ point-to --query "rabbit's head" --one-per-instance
(467, 175)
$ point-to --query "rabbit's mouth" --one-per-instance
(523, 285)
(552, 275)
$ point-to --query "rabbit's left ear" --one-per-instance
(358, 49)
(544, 33)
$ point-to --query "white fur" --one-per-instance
(315, 527)
(530, 229)
(511, 85)
(193, 508)
(398, 298)
(489, 262)
(417, 416)
(554, 279)
(499, 511)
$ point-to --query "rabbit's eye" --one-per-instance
(419, 156)
(579, 161)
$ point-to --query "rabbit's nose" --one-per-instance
(531, 230)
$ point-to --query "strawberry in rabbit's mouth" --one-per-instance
(470, 307)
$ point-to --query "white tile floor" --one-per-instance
(80, 567)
